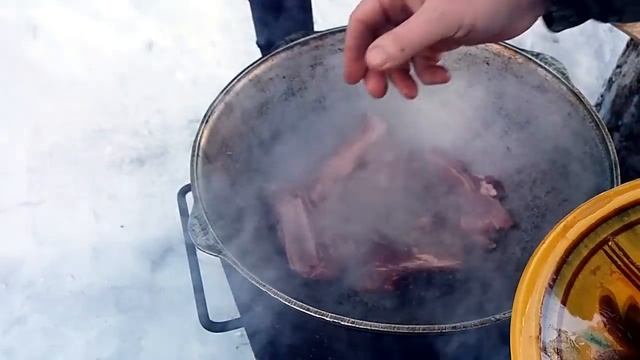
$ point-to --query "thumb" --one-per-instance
(433, 22)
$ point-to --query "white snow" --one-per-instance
(99, 103)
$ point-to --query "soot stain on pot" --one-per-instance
(316, 63)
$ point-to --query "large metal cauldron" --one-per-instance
(504, 113)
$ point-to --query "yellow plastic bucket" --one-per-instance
(579, 296)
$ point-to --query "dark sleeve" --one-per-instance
(564, 14)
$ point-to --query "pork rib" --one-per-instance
(346, 159)
(481, 212)
(298, 237)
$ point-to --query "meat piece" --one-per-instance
(298, 237)
(347, 158)
(426, 223)
(491, 186)
(377, 211)
(392, 264)
(426, 261)
(494, 217)
(481, 212)
(455, 172)
(386, 276)
(452, 171)
(483, 216)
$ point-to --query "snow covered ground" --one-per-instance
(99, 103)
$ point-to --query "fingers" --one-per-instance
(428, 71)
(376, 83)
(364, 23)
(431, 24)
(433, 74)
(402, 80)
(386, 58)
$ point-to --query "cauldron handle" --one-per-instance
(196, 277)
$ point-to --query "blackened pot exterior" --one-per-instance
(277, 331)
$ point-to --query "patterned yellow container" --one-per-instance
(579, 296)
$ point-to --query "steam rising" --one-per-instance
(501, 116)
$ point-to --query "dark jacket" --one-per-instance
(563, 14)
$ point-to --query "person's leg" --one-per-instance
(275, 21)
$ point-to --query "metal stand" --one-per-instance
(278, 22)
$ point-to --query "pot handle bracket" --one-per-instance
(196, 275)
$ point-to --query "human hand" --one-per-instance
(385, 37)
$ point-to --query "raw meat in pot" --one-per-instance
(347, 158)
(378, 211)
(298, 237)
